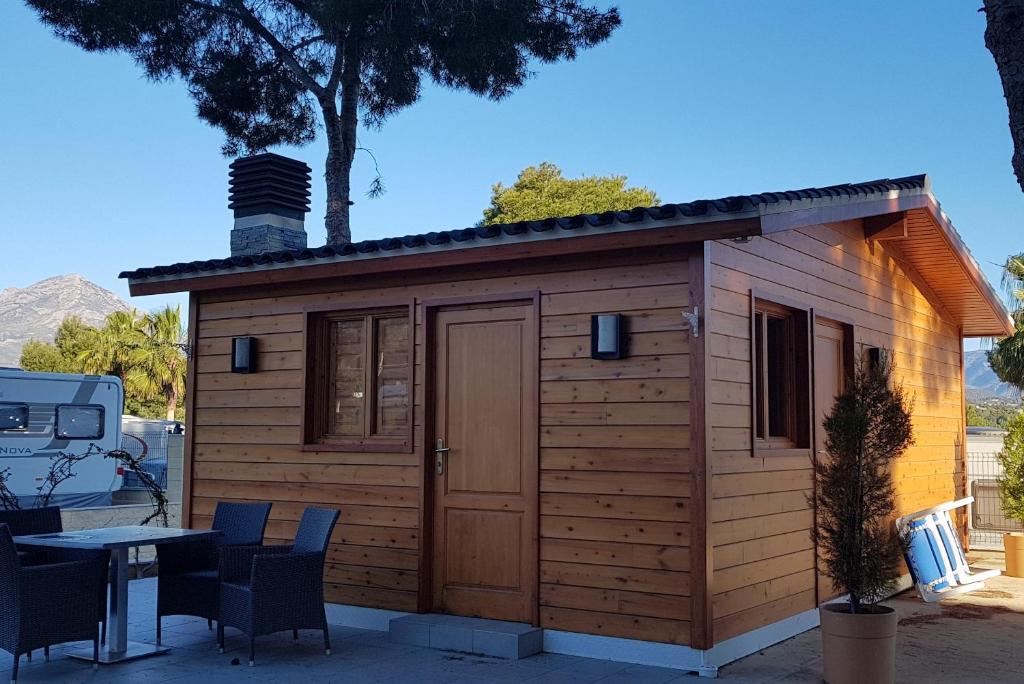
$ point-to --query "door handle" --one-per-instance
(439, 452)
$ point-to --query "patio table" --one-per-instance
(117, 540)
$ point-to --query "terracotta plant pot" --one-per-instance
(1013, 545)
(858, 648)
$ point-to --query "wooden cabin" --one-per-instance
(602, 425)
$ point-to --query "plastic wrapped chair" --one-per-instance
(934, 555)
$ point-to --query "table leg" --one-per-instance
(118, 642)
(118, 647)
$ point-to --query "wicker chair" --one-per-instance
(188, 582)
(276, 588)
(32, 521)
(47, 520)
(43, 605)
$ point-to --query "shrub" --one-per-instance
(1011, 458)
(868, 428)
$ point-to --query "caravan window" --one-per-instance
(13, 416)
(79, 422)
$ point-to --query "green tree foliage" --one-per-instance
(542, 192)
(868, 428)
(1007, 356)
(992, 414)
(267, 73)
(1011, 458)
(158, 366)
(43, 357)
(112, 349)
(62, 355)
(144, 350)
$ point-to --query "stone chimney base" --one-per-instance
(257, 239)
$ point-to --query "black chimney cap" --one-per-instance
(269, 184)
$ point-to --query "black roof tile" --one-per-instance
(666, 212)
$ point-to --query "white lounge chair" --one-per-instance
(934, 555)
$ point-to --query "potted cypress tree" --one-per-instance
(1011, 492)
(868, 428)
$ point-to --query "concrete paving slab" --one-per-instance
(973, 638)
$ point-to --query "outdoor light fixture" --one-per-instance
(876, 355)
(243, 354)
(606, 336)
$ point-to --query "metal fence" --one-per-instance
(152, 448)
(987, 521)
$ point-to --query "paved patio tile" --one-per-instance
(641, 674)
(966, 640)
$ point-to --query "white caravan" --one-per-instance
(42, 414)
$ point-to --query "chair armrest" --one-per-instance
(236, 562)
(291, 571)
(43, 579)
(59, 593)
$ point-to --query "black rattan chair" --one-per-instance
(44, 520)
(47, 520)
(43, 605)
(188, 582)
(276, 588)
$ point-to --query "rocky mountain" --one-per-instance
(982, 382)
(36, 311)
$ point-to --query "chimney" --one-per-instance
(270, 197)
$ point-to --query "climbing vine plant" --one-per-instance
(62, 468)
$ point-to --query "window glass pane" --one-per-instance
(348, 378)
(392, 376)
(779, 369)
(79, 422)
(759, 400)
(13, 416)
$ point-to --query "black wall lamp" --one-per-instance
(243, 355)
(607, 336)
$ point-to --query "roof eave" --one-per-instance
(782, 216)
(679, 230)
(1001, 314)
(808, 212)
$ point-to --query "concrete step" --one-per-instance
(511, 640)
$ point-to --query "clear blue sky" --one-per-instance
(101, 170)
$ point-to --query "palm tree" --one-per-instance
(158, 364)
(1007, 356)
(110, 350)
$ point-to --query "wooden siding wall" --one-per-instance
(614, 436)
(759, 515)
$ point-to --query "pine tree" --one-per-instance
(868, 428)
(268, 73)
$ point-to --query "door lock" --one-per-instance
(439, 453)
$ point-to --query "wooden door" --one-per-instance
(485, 494)
(831, 366)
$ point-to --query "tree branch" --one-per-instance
(306, 43)
(215, 8)
(335, 78)
(254, 24)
